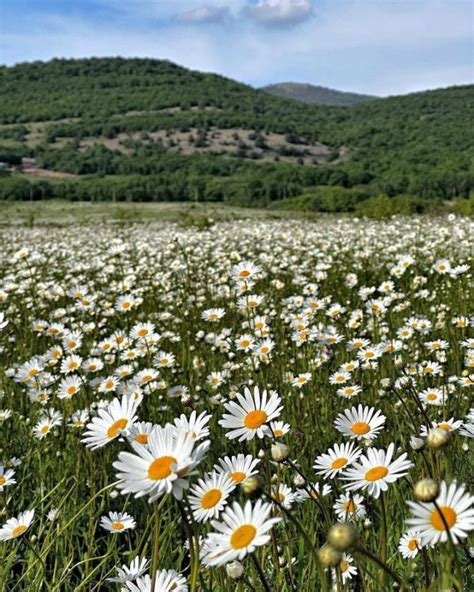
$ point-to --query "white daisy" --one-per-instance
(239, 467)
(250, 417)
(374, 471)
(349, 507)
(360, 422)
(410, 544)
(208, 496)
(336, 459)
(111, 422)
(242, 530)
(455, 505)
(15, 527)
(117, 522)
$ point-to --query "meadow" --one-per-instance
(193, 400)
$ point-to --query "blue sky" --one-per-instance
(375, 46)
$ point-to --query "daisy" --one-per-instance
(454, 504)
(301, 379)
(15, 527)
(374, 471)
(161, 466)
(111, 422)
(337, 459)
(167, 580)
(109, 384)
(245, 270)
(239, 467)
(450, 425)
(140, 432)
(209, 496)
(68, 387)
(137, 568)
(213, 314)
(250, 417)
(360, 422)
(196, 426)
(314, 491)
(285, 495)
(349, 391)
(6, 477)
(410, 544)
(240, 533)
(348, 570)
(279, 428)
(245, 343)
(117, 522)
(432, 396)
(348, 507)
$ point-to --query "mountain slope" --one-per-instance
(320, 95)
(149, 129)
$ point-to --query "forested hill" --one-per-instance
(320, 95)
(150, 130)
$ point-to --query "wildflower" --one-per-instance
(15, 527)
(117, 522)
(360, 422)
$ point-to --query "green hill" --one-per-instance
(320, 95)
(143, 129)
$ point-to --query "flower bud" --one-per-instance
(280, 452)
(426, 490)
(253, 486)
(299, 480)
(328, 556)
(235, 570)
(343, 536)
(437, 438)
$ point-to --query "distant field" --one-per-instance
(63, 212)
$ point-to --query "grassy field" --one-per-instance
(56, 212)
(186, 407)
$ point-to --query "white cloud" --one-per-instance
(280, 12)
(204, 14)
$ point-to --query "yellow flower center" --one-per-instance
(339, 463)
(71, 390)
(360, 428)
(142, 332)
(118, 525)
(141, 438)
(18, 530)
(449, 516)
(254, 419)
(2, 480)
(349, 506)
(211, 498)
(431, 397)
(244, 273)
(109, 384)
(445, 426)
(160, 468)
(44, 429)
(237, 476)
(243, 536)
(278, 433)
(344, 566)
(412, 545)
(116, 427)
(376, 473)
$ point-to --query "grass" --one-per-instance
(64, 276)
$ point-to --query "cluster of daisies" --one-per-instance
(250, 376)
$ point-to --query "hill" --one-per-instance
(149, 130)
(320, 95)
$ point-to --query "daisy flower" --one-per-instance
(455, 505)
(410, 544)
(349, 391)
(314, 491)
(196, 426)
(160, 467)
(213, 314)
(117, 522)
(111, 422)
(209, 496)
(6, 477)
(15, 527)
(348, 570)
(242, 530)
(239, 467)
(375, 470)
(167, 580)
(137, 568)
(250, 417)
(245, 270)
(432, 396)
(450, 425)
(336, 459)
(348, 507)
(279, 428)
(140, 431)
(360, 422)
(285, 495)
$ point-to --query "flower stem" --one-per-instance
(261, 574)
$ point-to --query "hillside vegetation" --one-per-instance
(148, 130)
(310, 93)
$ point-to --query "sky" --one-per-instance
(381, 47)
